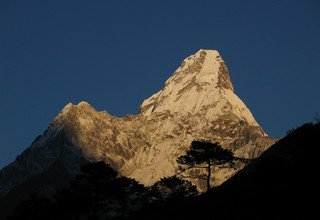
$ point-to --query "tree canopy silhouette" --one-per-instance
(205, 155)
(98, 192)
(92, 190)
(173, 188)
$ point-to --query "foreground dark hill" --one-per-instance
(280, 184)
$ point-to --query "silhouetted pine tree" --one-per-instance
(205, 155)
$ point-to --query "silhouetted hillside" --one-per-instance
(281, 184)
(43, 184)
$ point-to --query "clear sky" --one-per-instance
(116, 53)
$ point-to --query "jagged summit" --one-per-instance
(82, 104)
(70, 106)
(201, 85)
(196, 103)
(194, 84)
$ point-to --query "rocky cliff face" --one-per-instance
(197, 102)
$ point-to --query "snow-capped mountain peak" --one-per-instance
(201, 85)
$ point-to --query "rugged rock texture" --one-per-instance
(197, 102)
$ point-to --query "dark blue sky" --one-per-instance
(114, 54)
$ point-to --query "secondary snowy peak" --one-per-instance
(70, 107)
(200, 86)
